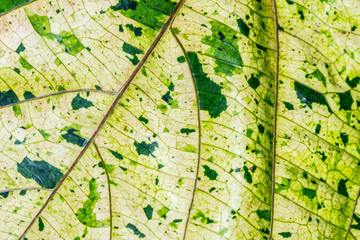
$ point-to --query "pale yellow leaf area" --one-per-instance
(188, 119)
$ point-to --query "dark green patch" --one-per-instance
(121, 29)
(116, 154)
(73, 138)
(42, 172)
(137, 30)
(353, 82)
(247, 175)
(4, 194)
(22, 192)
(289, 106)
(264, 214)
(261, 128)
(344, 137)
(171, 86)
(310, 193)
(17, 70)
(187, 131)
(8, 5)
(144, 120)
(318, 75)
(125, 5)
(244, 29)
(309, 96)
(148, 211)
(146, 149)
(289, 2)
(345, 100)
(318, 128)
(301, 13)
(135, 229)
(132, 51)
(97, 87)
(253, 82)
(322, 155)
(25, 64)
(79, 102)
(209, 92)
(210, 173)
(166, 97)
(86, 214)
(28, 95)
(41, 225)
(150, 13)
(181, 59)
(285, 234)
(268, 100)
(357, 220)
(342, 189)
(20, 48)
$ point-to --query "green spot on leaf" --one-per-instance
(41, 225)
(20, 48)
(211, 174)
(86, 214)
(346, 100)
(342, 189)
(42, 172)
(146, 149)
(209, 92)
(135, 230)
(73, 138)
(181, 59)
(79, 102)
(309, 96)
(285, 234)
(310, 193)
(148, 211)
(244, 29)
(132, 51)
(187, 131)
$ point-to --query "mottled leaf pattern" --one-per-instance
(179, 119)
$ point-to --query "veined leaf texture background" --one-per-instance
(191, 119)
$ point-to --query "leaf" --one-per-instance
(167, 119)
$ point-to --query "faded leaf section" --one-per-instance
(317, 150)
(151, 139)
(230, 51)
(83, 200)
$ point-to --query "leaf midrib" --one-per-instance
(108, 114)
(275, 118)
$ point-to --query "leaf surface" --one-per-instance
(164, 119)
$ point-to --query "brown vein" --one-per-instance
(111, 109)
(199, 142)
(275, 120)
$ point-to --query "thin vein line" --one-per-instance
(352, 215)
(109, 188)
(24, 189)
(111, 109)
(199, 123)
(275, 120)
(58, 93)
